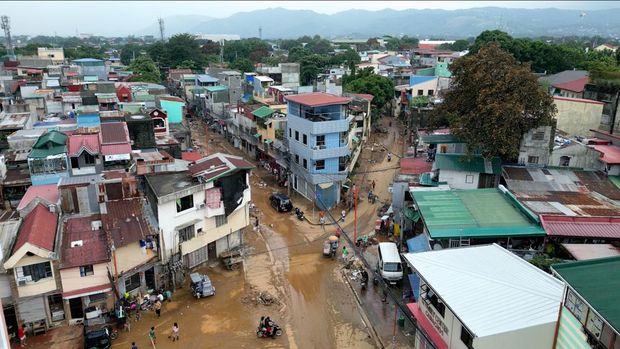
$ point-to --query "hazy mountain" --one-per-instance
(283, 23)
(175, 25)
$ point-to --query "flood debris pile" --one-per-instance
(256, 297)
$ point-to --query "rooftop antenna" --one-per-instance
(260, 33)
(161, 28)
(6, 26)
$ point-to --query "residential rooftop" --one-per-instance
(591, 251)
(164, 184)
(317, 99)
(82, 244)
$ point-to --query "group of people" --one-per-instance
(266, 324)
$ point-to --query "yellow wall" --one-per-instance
(71, 279)
(237, 220)
(35, 288)
(130, 256)
(577, 118)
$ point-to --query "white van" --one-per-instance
(389, 265)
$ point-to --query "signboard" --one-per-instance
(117, 157)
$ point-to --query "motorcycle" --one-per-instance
(271, 330)
(299, 213)
(364, 280)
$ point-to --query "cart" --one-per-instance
(232, 259)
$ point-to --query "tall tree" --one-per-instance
(366, 81)
(242, 64)
(493, 101)
(145, 70)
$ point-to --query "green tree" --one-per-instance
(243, 64)
(183, 47)
(188, 64)
(458, 45)
(366, 81)
(493, 101)
(350, 58)
(145, 70)
(157, 52)
(128, 51)
(310, 67)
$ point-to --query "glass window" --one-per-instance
(320, 141)
(320, 164)
(86, 270)
(187, 233)
(305, 139)
(420, 92)
(98, 297)
(185, 203)
(221, 220)
(467, 338)
(38, 271)
(89, 159)
(296, 158)
(132, 282)
(305, 164)
(469, 179)
(297, 136)
(532, 159)
(290, 133)
(431, 92)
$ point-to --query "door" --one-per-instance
(211, 250)
(32, 309)
(149, 278)
(76, 308)
(11, 320)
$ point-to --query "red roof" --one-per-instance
(87, 291)
(94, 243)
(49, 192)
(366, 96)
(610, 154)
(114, 132)
(190, 156)
(115, 149)
(427, 326)
(317, 99)
(88, 142)
(419, 165)
(576, 85)
(38, 229)
(214, 165)
(587, 227)
(125, 221)
(427, 46)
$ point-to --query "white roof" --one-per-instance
(263, 78)
(490, 289)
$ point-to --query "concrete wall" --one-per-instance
(131, 256)
(425, 87)
(35, 288)
(577, 117)
(535, 143)
(72, 281)
(580, 156)
(460, 179)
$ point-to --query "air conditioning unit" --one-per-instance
(201, 205)
(96, 225)
(21, 282)
(316, 147)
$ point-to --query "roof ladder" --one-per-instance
(465, 242)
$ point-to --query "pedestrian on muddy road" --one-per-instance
(133, 345)
(152, 336)
(373, 184)
(345, 254)
(175, 332)
(322, 222)
(344, 214)
(158, 308)
(21, 333)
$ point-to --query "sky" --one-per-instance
(65, 18)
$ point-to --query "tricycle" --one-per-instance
(330, 246)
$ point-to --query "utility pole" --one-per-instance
(160, 21)
(355, 192)
(5, 24)
(260, 33)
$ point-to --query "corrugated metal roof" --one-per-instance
(598, 282)
(490, 289)
(39, 229)
(586, 227)
(440, 139)
(460, 162)
(263, 112)
(317, 99)
(48, 192)
(610, 154)
(87, 179)
(8, 232)
(218, 88)
(206, 78)
(591, 251)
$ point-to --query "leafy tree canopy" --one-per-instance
(458, 45)
(493, 101)
(366, 81)
(242, 64)
(144, 69)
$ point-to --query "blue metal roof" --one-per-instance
(206, 78)
(85, 60)
(416, 79)
(88, 120)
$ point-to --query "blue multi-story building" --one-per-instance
(318, 136)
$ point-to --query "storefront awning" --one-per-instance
(427, 326)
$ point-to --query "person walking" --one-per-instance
(345, 254)
(322, 222)
(158, 308)
(373, 184)
(21, 333)
(133, 345)
(175, 332)
(343, 214)
(152, 336)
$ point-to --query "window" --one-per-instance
(320, 164)
(467, 338)
(469, 179)
(89, 159)
(132, 282)
(420, 92)
(290, 133)
(565, 161)
(86, 270)
(532, 159)
(221, 220)
(305, 139)
(37, 271)
(296, 158)
(185, 203)
(342, 163)
(576, 306)
(98, 297)
(305, 164)
(199, 231)
(320, 141)
(187, 233)
(297, 136)
(538, 136)
(75, 163)
(432, 298)
(431, 92)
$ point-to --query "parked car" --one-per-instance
(201, 285)
(280, 202)
(98, 329)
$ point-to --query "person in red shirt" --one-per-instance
(21, 333)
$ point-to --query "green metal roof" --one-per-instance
(50, 143)
(267, 141)
(91, 78)
(144, 98)
(257, 135)
(597, 281)
(615, 180)
(263, 112)
(477, 213)
(217, 88)
(440, 139)
(460, 162)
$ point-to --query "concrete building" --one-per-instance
(57, 55)
(536, 146)
(48, 160)
(203, 211)
(285, 74)
(483, 297)
(9, 227)
(84, 153)
(92, 67)
(576, 116)
(318, 134)
(589, 315)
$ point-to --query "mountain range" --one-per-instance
(448, 24)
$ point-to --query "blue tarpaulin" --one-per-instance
(418, 244)
(414, 281)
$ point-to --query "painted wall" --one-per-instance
(570, 334)
(131, 256)
(34, 288)
(577, 118)
(540, 336)
(71, 279)
(580, 156)
(460, 179)
(425, 87)
(174, 110)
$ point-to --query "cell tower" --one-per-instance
(260, 33)
(6, 26)
(161, 28)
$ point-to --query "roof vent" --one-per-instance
(95, 225)
(77, 243)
